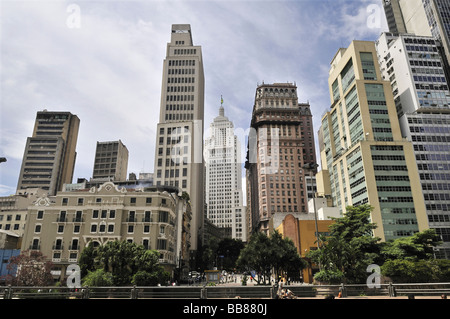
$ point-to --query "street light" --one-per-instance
(312, 167)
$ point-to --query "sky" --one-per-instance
(102, 61)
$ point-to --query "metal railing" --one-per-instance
(226, 292)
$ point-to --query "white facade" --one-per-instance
(224, 178)
(415, 69)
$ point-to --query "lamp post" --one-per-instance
(310, 167)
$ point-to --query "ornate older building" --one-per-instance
(281, 144)
(62, 226)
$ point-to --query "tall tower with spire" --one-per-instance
(179, 142)
(224, 178)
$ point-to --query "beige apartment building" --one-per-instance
(62, 226)
(50, 153)
(363, 155)
(111, 161)
(14, 209)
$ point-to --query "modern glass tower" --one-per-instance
(224, 178)
(422, 18)
(415, 69)
(179, 143)
(362, 150)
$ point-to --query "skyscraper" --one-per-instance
(415, 70)
(224, 178)
(111, 161)
(179, 143)
(49, 157)
(422, 18)
(281, 143)
(362, 148)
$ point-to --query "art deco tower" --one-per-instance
(224, 178)
(179, 143)
(281, 143)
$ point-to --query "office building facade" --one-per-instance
(362, 150)
(416, 72)
(422, 18)
(179, 143)
(224, 178)
(281, 143)
(111, 161)
(50, 153)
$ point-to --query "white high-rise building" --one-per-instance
(224, 178)
(179, 141)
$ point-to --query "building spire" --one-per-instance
(221, 110)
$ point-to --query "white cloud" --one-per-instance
(109, 71)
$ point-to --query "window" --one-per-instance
(40, 214)
(95, 214)
(60, 229)
(93, 228)
(148, 200)
(111, 228)
(163, 217)
(112, 214)
(37, 228)
(130, 229)
(65, 201)
(133, 200)
(80, 201)
(76, 229)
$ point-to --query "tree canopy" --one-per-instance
(350, 247)
(263, 253)
(126, 263)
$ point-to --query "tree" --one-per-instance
(349, 248)
(33, 269)
(263, 253)
(416, 247)
(122, 260)
(98, 278)
(410, 271)
(228, 250)
(411, 259)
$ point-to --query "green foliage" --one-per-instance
(122, 260)
(98, 278)
(329, 276)
(416, 247)
(263, 253)
(349, 249)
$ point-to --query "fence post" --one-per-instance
(85, 293)
(133, 293)
(8, 293)
(203, 293)
(343, 291)
(392, 292)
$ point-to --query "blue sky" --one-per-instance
(102, 60)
